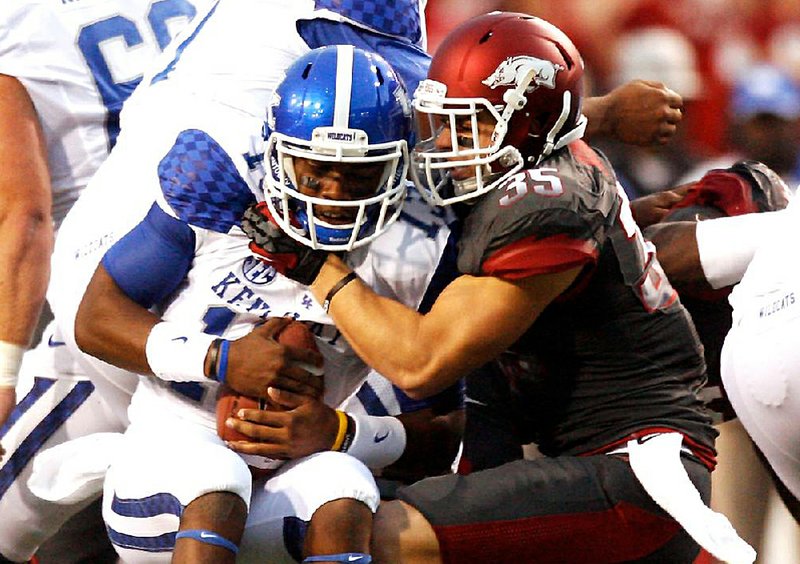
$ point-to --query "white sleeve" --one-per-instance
(727, 245)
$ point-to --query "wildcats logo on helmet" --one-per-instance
(430, 89)
(513, 71)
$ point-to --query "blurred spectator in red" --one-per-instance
(727, 35)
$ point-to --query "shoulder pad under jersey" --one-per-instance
(570, 200)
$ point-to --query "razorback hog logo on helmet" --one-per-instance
(514, 69)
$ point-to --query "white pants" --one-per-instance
(165, 464)
(761, 376)
(282, 505)
(56, 403)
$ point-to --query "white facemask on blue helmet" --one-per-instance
(338, 104)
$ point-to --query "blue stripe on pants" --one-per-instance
(150, 506)
(44, 430)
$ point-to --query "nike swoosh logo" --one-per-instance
(380, 438)
(203, 534)
(475, 402)
(52, 343)
(642, 440)
(352, 558)
(184, 339)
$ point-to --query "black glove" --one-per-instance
(289, 257)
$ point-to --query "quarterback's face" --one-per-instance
(337, 181)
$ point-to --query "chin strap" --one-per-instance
(574, 134)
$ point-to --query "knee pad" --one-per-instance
(148, 487)
(299, 484)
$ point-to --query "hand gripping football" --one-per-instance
(295, 334)
(229, 402)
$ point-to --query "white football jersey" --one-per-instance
(79, 61)
(760, 363)
(230, 56)
(241, 68)
(227, 291)
(210, 79)
(772, 266)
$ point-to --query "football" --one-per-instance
(228, 403)
(295, 335)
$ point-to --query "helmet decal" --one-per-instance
(275, 101)
(401, 96)
(513, 70)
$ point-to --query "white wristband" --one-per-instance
(10, 361)
(177, 354)
(727, 245)
(379, 441)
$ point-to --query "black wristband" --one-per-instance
(213, 358)
(346, 279)
(349, 434)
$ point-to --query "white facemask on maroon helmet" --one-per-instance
(517, 72)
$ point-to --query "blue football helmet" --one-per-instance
(338, 104)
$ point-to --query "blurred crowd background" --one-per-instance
(735, 62)
(737, 65)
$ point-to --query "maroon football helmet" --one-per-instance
(518, 73)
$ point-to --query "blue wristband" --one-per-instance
(207, 537)
(222, 369)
